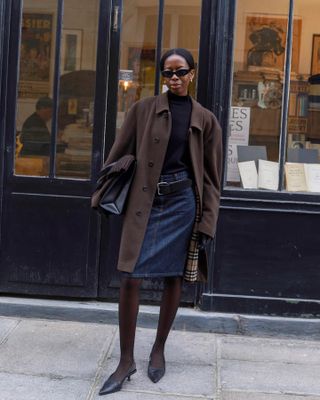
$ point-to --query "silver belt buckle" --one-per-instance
(159, 185)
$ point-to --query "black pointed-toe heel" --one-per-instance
(111, 385)
(155, 374)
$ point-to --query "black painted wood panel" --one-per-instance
(268, 254)
(45, 247)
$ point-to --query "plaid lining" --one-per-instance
(191, 269)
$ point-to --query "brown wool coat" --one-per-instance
(145, 134)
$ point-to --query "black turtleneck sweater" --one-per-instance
(177, 157)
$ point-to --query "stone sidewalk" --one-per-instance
(64, 360)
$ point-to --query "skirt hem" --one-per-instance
(151, 276)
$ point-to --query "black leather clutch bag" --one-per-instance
(113, 186)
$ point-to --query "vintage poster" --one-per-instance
(239, 135)
(35, 55)
(265, 43)
(315, 60)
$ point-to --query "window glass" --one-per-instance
(34, 102)
(257, 91)
(182, 29)
(137, 54)
(77, 88)
(302, 169)
(76, 82)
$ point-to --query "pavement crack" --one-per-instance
(44, 375)
(9, 332)
(218, 389)
(106, 351)
(169, 394)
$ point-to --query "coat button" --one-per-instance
(145, 188)
(156, 140)
(151, 163)
(139, 213)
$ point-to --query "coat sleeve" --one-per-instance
(125, 141)
(212, 177)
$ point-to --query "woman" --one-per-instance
(177, 144)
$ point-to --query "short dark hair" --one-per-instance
(44, 102)
(180, 52)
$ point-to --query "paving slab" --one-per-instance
(264, 396)
(6, 326)
(28, 387)
(271, 377)
(263, 350)
(182, 347)
(177, 380)
(55, 348)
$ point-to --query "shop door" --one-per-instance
(54, 131)
(141, 32)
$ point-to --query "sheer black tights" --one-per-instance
(128, 312)
(169, 306)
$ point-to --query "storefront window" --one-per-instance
(77, 88)
(302, 169)
(257, 93)
(182, 29)
(34, 102)
(256, 135)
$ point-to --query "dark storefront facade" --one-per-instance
(257, 67)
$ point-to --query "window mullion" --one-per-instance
(56, 88)
(159, 47)
(286, 94)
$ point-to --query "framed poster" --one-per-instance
(265, 41)
(71, 48)
(35, 55)
(315, 58)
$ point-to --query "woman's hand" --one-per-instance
(204, 240)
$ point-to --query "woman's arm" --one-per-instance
(212, 169)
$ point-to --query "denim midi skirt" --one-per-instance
(166, 241)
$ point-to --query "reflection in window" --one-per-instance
(77, 89)
(34, 103)
(137, 54)
(302, 169)
(257, 90)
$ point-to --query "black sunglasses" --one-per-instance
(180, 72)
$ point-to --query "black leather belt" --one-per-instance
(164, 188)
